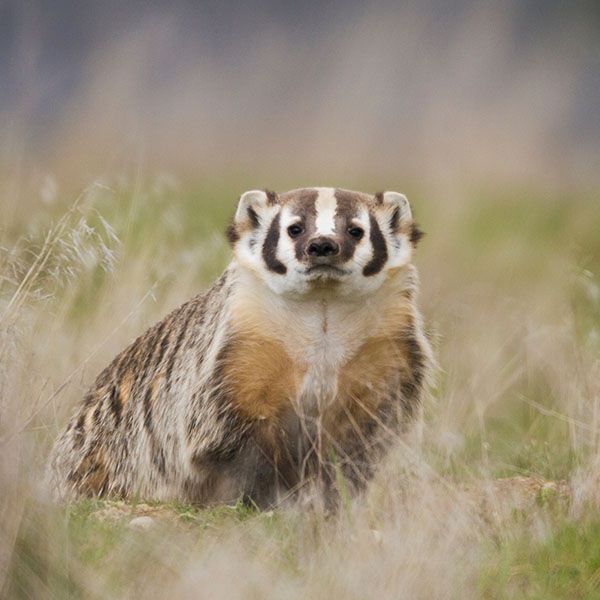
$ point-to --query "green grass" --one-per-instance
(565, 563)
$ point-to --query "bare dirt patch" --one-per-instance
(498, 499)
(140, 515)
(494, 499)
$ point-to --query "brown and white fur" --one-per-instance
(301, 363)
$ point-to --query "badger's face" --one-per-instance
(323, 238)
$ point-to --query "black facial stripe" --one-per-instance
(380, 254)
(345, 211)
(347, 247)
(304, 207)
(300, 200)
(348, 201)
(301, 241)
(269, 249)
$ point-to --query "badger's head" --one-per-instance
(323, 239)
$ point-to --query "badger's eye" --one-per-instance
(356, 232)
(295, 230)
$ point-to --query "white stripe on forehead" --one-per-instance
(325, 206)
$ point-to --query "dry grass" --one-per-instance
(511, 292)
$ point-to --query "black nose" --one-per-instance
(323, 246)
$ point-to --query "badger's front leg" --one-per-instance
(232, 456)
(377, 405)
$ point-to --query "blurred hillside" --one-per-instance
(446, 92)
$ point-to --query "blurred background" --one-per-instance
(453, 91)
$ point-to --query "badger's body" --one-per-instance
(300, 364)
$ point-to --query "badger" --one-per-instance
(290, 377)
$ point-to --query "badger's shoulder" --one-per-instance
(125, 406)
(155, 354)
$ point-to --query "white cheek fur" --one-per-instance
(364, 249)
(286, 247)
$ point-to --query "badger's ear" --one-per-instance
(250, 207)
(398, 206)
(400, 216)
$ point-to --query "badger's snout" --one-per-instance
(322, 247)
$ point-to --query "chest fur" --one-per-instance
(319, 359)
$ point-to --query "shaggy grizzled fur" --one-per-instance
(255, 391)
